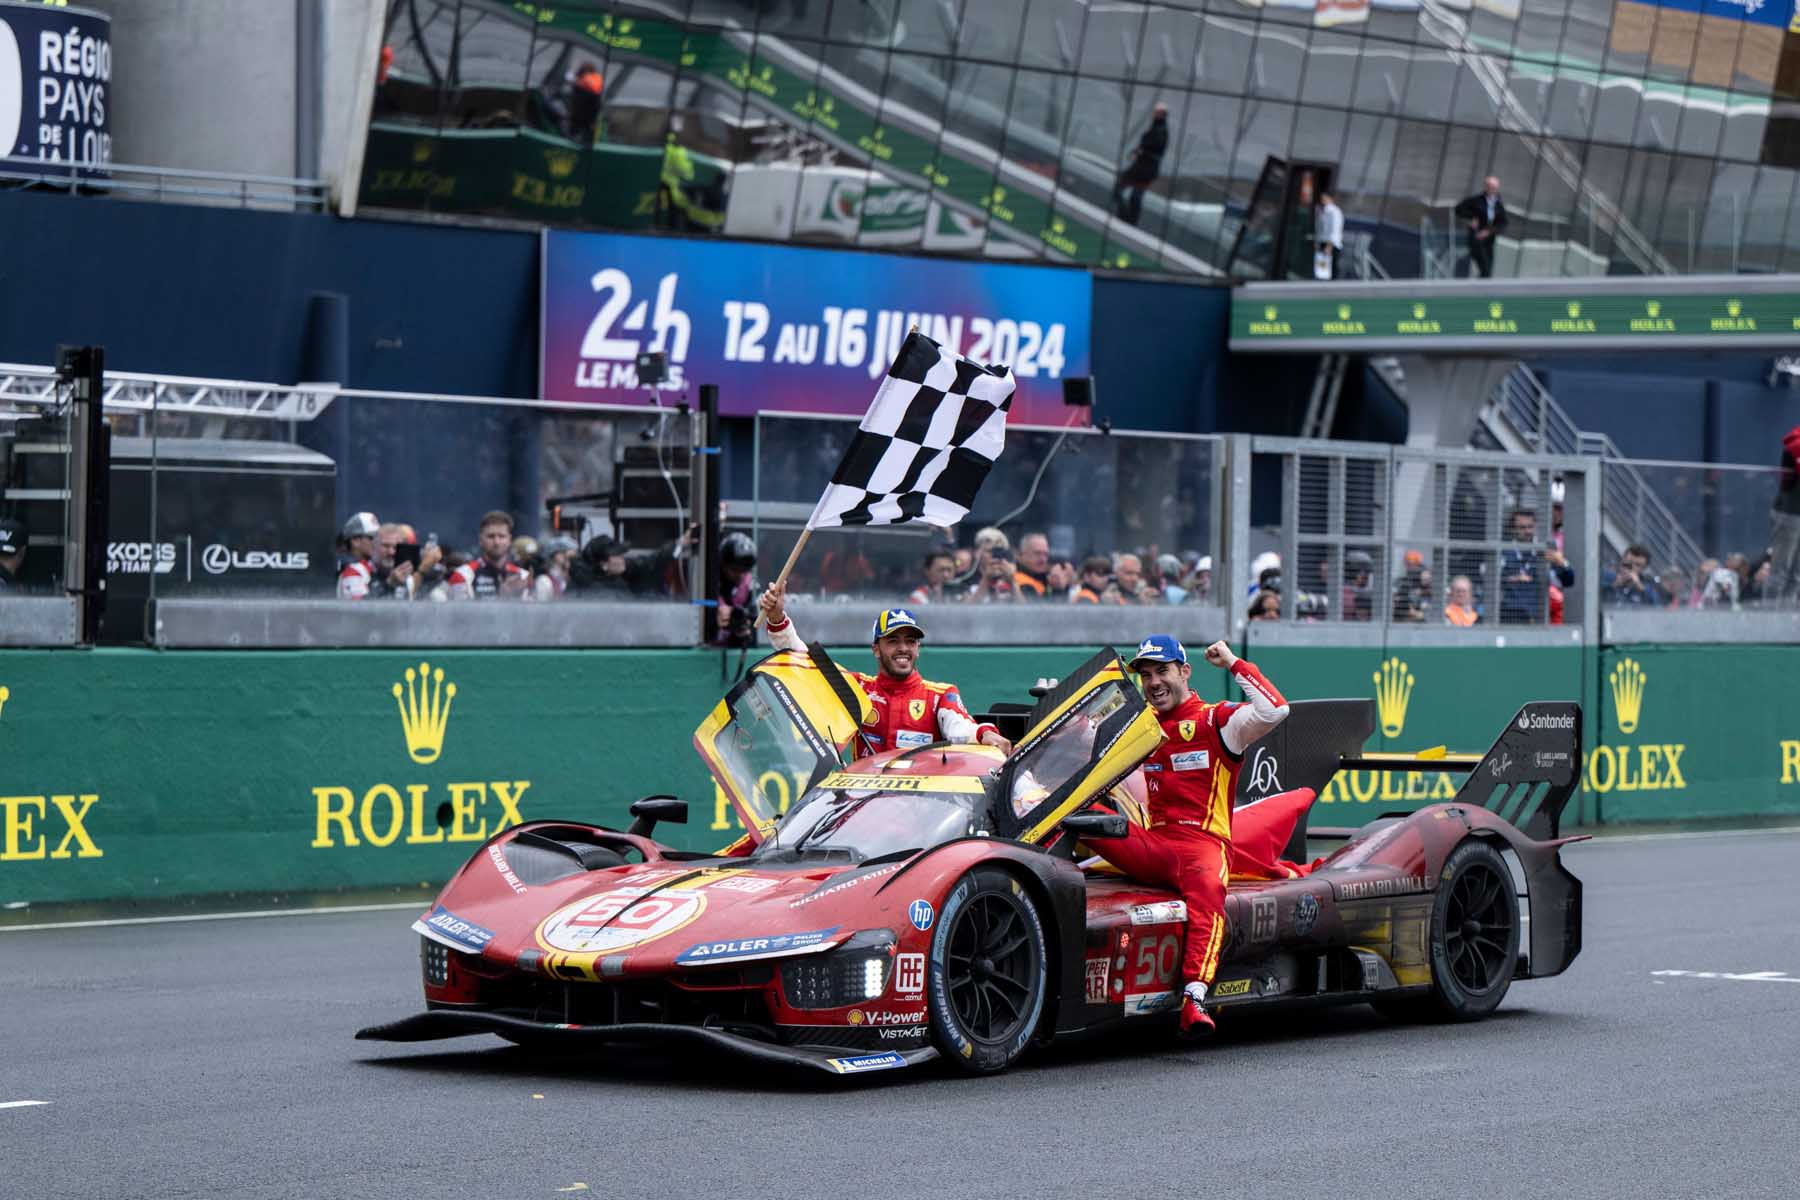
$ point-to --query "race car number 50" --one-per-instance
(619, 919)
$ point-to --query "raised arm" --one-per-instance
(1266, 709)
(782, 635)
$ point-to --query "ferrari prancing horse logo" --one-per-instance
(1186, 729)
(916, 709)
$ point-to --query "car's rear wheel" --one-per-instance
(989, 972)
(1474, 940)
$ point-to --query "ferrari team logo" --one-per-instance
(1393, 688)
(424, 703)
(916, 709)
(1186, 729)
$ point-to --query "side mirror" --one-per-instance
(1092, 825)
(652, 809)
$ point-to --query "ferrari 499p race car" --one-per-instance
(932, 903)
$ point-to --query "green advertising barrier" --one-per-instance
(1691, 732)
(137, 774)
(1456, 697)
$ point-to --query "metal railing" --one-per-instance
(175, 185)
(1631, 509)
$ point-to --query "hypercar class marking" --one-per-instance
(757, 947)
(921, 914)
(866, 1062)
(1163, 912)
(444, 926)
(1097, 971)
(909, 974)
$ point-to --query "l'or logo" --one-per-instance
(424, 711)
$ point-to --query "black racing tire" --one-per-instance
(1474, 940)
(989, 972)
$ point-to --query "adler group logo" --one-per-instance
(412, 813)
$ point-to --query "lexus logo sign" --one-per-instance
(219, 558)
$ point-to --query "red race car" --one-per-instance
(932, 903)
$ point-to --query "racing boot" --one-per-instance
(1195, 1023)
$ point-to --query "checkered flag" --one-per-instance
(937, 425)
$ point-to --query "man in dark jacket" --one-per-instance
(1485, 215)
(1784, 526)
(1142, 170)
(12, 552)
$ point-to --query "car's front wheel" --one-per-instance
(989, 972)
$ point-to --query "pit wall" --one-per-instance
(133, 774)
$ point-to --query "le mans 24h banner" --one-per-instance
(784, 328)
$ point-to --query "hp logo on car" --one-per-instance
(921, 914)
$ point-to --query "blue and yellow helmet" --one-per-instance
(889, 620)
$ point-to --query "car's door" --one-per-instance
(777, 731)
(1086, 735)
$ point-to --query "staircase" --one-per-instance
(1524, 418)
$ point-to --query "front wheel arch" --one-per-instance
(988, 967)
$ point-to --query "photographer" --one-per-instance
(997, 584)
(737, 591)
(1631, 585)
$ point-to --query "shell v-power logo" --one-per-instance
(1632, 766)
(28, 823)
(412, 812)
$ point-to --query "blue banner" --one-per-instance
(795, 329)
(55, 84)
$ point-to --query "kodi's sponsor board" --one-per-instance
(781, 327)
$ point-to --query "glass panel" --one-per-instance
(1333, 61)
(1052, 35)
(991, 30)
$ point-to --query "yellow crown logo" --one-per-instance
(1343, 312)
(421, 151)
(1496, 309)
(5, 695)
(424, 711)
(1734, 307)
(560, 162)
(1057, 225)
(1418, 312)
(1124, 260)
(1393, 688)
(1654, 308)
(1269, 313)
(1574, 308)
(1627, 680)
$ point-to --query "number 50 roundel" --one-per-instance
(619, 919)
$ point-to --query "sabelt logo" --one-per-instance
(219, 558)
(140, 558)
(27, 823)
(385, 811)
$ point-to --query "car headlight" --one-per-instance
(856, 971)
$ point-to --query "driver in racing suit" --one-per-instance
(909, 710)
(1190, 780)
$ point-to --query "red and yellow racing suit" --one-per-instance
(1190, 780)
(908, 712)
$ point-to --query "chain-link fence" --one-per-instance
(1390, 536)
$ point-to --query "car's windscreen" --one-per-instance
(765, 749)
(857, 824)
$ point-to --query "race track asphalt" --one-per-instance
(214, 1059)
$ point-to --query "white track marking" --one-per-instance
(414, 905)
(1741, 977)
(21, 1103)
(1605, 839)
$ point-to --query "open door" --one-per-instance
(1082, 738)
(782, 727)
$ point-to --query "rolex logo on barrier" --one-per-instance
(1393, 689)
(424, 711)
(1627, 681)
(416, 813)
(28, 823)
(1632, 767)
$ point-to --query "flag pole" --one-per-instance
(794, 555)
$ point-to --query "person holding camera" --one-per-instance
(492, 574)
(1631, 585)
(737, 586)
(996, 584)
